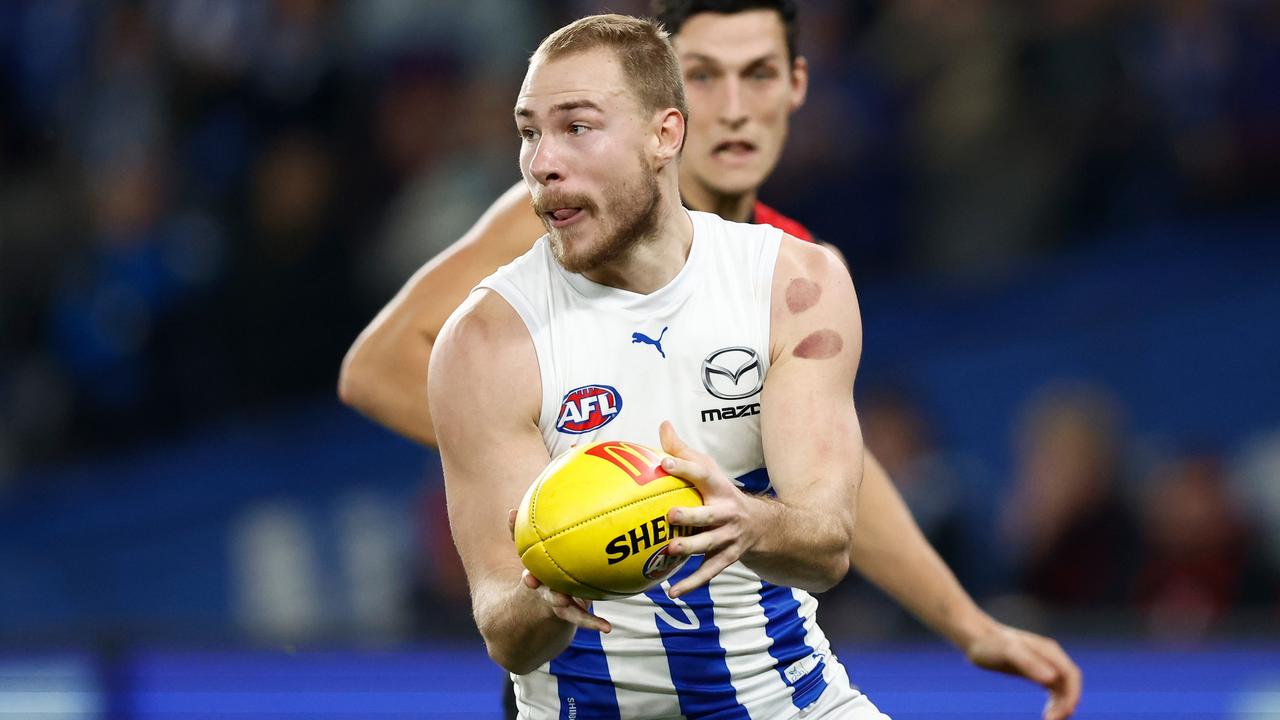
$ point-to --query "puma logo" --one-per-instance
(638, 337)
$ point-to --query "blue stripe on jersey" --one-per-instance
(785, 626)
(583, 681)
(694, 655)
(755, 482)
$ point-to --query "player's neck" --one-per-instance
(652, 262)
(736, 207)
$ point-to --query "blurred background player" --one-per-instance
(744, 78)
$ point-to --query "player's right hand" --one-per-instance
(724, 521)
(566, 607)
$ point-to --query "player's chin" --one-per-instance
(739, 180)
(579, 260)
(571, 245)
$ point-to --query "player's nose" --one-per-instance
(545, 164)
(733, 111)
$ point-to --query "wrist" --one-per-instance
(759, 513)
(967, 625)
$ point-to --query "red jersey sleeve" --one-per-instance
(766, 215)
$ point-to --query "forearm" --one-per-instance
(891, 552)
(806, 549)
(520, 631)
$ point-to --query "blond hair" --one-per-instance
(641, 45)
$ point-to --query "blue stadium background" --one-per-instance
(201, 203)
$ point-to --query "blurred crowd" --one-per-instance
(962, 137)
(203, 201)
(1183, 538)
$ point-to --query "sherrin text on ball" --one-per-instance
(594, 523)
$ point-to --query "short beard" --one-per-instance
(636, 209)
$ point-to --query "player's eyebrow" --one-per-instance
(758, 62)
(699, 57)
(560, 107)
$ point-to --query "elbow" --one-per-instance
(503, 656)
(839, 568)
(519, 644)
(353, 387)
(512, 654)
(380, 392)
(831, 573)
(509, 659)
(507, 646)
(350, 393)
(837, 565)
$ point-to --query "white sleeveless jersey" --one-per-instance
(614, 364)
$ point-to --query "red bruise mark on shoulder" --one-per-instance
(819, 345)
(802, 294)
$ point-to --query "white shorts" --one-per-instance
(839, 702)
(841, 706)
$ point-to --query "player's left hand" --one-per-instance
(724, 517)
(1039, 659)
(570, 609)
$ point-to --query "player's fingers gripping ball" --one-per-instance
(594, 523)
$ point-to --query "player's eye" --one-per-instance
(698, 76)
(763, 73)
(527, 134)
(577, 129)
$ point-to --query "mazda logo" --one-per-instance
(732, 373)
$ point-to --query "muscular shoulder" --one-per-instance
(814, 310)
(482, 323)
(484, 360)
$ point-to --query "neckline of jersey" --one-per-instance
(664, 297)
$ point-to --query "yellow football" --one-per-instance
(594, 523)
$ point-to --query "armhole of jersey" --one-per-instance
(536, 326)
(769, 249)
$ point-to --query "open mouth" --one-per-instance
(560, 217)
(734, 149)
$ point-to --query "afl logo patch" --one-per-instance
(588, 408)
(732, 373)
(660, 564)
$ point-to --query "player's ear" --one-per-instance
(799, 82)
(669, 135)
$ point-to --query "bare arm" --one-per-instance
(384, 374)
(812, 441)
(891, 552)
(492, 450)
